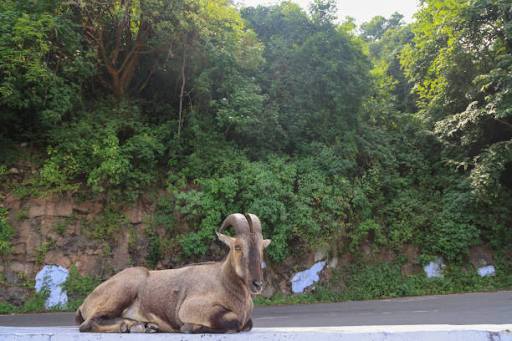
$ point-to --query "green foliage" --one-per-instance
(295, 198)
(361, 233)
(7, 308)
(240, 109)
(378, 26)
(376, 281)
(109, 147)
(22, 214)
(42, 64)
(307, 75)
(55, 178)
(43, 250)
(459, 63)
(385, 280)
(78, 288)
(6, 233)
(164, 214)
(196, 204)
(107, 251)
(36, 303)
(107, 225)
(391, 102)
(155, 251)
(61, 226)
(453, 231)
(79, 285)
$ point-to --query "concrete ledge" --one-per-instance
(359, 333)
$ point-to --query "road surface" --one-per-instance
(458, 309)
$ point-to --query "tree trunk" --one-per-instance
(120, 71)
(182, 91)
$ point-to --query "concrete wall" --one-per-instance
(361, 333)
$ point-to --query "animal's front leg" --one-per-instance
(248, 326)
(209, 319)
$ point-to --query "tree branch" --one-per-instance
(146, 81)
(504, 122)
(119, 35)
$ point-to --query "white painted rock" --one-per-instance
(306, 278)
(488, 270)
(434, 269)
(52, 276)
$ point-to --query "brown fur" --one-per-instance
(213, 297)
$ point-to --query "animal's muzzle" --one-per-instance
(258, 285)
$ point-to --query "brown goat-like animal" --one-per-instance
(212, 297)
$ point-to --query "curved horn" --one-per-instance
(238, 221)
(254, 223)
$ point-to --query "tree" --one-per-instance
(391, 100)
(43, 66)
(122, 31)
(375, 28)
(460, 61)
(323, 11)
(315, 74)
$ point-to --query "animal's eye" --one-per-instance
(238, 248)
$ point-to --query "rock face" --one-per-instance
(64, 232)
(60, 231)
(480, 256)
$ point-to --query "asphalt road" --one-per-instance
(459, 309)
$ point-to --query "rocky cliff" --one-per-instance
(62, 231)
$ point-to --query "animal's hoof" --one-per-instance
(186, 328)
(248, 326)
(137, 328)
(124, 328)
(151, 328)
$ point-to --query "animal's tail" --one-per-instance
(79, 319)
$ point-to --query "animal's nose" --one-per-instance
(257, 285)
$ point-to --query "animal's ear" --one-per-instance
(266, 242)
(225, 239)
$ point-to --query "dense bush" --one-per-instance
(43, 65)
(78, 287)
(108, 149)
(385, 280)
